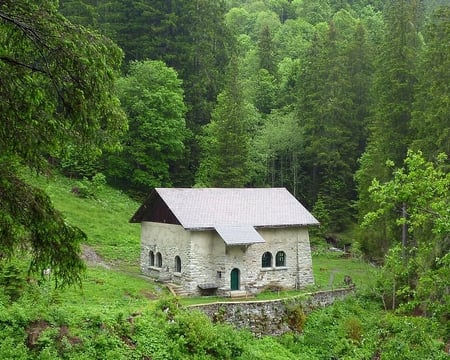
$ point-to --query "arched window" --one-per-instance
(266, 260)
(280, 258)
(151, 258)
(177, 264)
(158, 260)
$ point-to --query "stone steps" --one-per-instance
(239, 295)
(176, 290)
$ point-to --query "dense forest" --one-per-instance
(315, 96)
(320, 97)
(343, 102)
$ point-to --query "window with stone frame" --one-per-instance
(280, 258)
(177, 264)
(151, 258)
(266, 260)
(158, 262)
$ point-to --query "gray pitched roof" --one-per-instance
(212, 208)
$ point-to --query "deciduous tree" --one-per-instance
(419, 195)
(152, 97)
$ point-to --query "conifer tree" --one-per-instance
(331, 125)
(393, 94)
(431, 111)
(56, 88)
(224, 161)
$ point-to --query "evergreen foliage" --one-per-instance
(226, 139)
(333, 130)
(57, 88)
(431, 106)
(390, 122)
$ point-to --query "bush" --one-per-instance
(268, 348)
(90, 188)
(353, 329)
(194, 334)
(410, 338)
(12, 281)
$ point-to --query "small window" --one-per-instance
(266, 260)
(151, 258)
(280, 258)
(177, 264)
(158, 260)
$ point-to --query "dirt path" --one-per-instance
(89, 255)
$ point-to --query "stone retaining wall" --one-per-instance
(268, 317)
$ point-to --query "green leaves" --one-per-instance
(420, 192)
(423, 186)
(58, 82)
(225, 143)
(152, 98)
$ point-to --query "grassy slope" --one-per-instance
(116, 283)
(330, 268)
(104, 220)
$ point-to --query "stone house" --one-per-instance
(220, 240)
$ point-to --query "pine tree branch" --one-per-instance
(14, 62)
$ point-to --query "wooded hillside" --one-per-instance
(301, 94)
(345, 103)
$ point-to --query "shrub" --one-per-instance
(90, 188)
(410, 338)
(353, 329)
(12, 281)
(194, 334)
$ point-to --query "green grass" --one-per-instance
(109, 289)
(330, 268)
(116, 315)
(105, 220)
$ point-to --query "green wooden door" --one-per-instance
(235, 273)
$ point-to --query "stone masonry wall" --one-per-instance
(170, 241)
(205, 259)
(267, 317)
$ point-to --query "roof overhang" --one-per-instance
(239, 234)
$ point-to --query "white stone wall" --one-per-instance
(268, 317)
(305, 272)
(206, 259)
(294, 242)
(201, 259)
(169, 240)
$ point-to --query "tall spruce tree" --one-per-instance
(393, 94)
(56, 87)
(331, 126)
(224, 161)
(430, 118)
